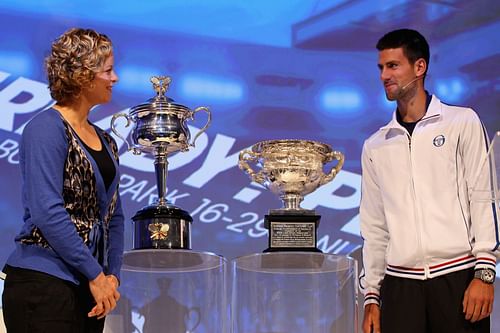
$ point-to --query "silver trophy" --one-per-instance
(160, 129)
(291, 169)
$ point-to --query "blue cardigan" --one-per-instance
(67, 210)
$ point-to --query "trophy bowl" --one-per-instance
(165, 126)
(160, 123)
(291, 168)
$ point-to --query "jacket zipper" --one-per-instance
(417, 221)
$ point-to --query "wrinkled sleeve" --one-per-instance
(480, 175)
(373, 231)
(116, 242)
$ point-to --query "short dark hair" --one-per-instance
(413, 43)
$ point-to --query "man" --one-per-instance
(429, 251)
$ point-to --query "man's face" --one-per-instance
(396, 73)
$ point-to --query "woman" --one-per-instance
(63, 274)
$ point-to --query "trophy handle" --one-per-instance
(113, 129)
(194, 311)
(209, 120)
(248, 155)
(335, 155)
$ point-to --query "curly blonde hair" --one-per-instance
(75, 58)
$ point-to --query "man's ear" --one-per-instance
(420, 67)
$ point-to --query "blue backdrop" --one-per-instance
(267, 70)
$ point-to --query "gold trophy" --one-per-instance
(291, 169)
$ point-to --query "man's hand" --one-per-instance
(105, 293)
(371, 320)
(478, 300)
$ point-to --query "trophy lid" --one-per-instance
(159, 103)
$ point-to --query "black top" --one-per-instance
(411, 126)
(104, 163)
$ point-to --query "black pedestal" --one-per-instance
(162, 227)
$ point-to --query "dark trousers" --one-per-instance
(36, 302)
(429, 306)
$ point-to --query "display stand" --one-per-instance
(300, 292)
(171, 291)
(487, 185)
(2, 325)
(485, 196)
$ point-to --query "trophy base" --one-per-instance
(293, 231)
(162, 226)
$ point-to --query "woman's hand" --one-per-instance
(104, 289)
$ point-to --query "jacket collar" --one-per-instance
(433, 111)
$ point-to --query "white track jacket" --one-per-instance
(419, 216)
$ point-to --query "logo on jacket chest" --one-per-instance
(438, 141)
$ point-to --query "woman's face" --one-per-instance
(101, 87)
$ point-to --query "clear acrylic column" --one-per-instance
(486, 189)
(176, 291)
(299, 292)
